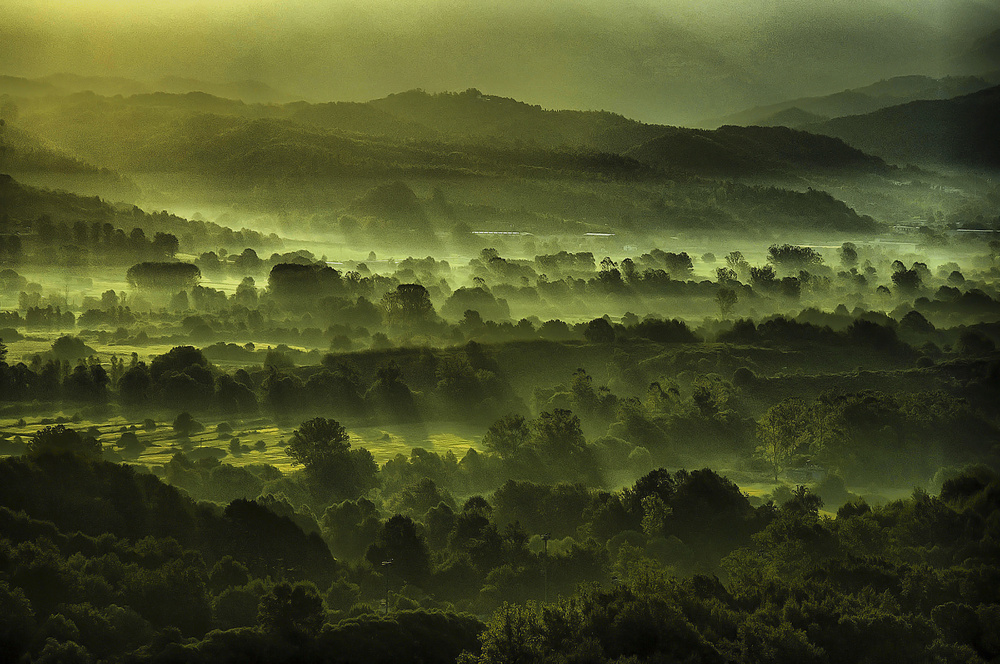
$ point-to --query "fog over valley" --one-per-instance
(522, 332)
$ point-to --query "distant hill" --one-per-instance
(25, 87)
(22, 152)
(22, 204)
(108, 86)
(357, 117)
(961, 131)
(414, 132)
(471, 115)
(791, 117)
(251, 92)
(885, 93)
(731, 151)
(983, 55)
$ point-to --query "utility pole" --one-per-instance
(385, 575)
(545, 566)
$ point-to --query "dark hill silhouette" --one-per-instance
(473, 115)
(102, 85)
(793, 117)
(413, 133)
(19, 86)
(24, 203)
(249, 91)
(731, 151)
(983, 55)
(394, 201)
(962, 131)
(359, 118)
(21, 151)
(889, 92)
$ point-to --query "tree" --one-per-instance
(297, 283)
(59, 439)
(778, 433)
(907, 280)
(400, 542)
(558, 434)
(177, 359)
(291, 611)
(738, 264)
(350, 527)
(726, 298)
(792, 257)
(506, 436)
(512, 635)
(407, 305)
(165, 244)
(318, 441)
(679, 266)
(233, 396)
(332, 467)
(762, 277)
(849, 254)
(185, 425)
(163, 276)
(130, 445)
(599, 331)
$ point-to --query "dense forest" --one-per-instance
(450, 377)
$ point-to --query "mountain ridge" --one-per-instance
(960, 131)
(861, 100)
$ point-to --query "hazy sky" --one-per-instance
(664, 60)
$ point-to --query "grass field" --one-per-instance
(384, 441)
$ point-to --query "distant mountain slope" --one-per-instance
(729, 151)
(22, 204)
(251, 92)
(102, 85)
(983, 55)
(451, 133)
(791, 117)
(885, 93)
(960, 131)
(471, 115)
(25, 87)
(357, 117)
(20, 151)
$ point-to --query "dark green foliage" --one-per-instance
(599, 331)
(350, 527)
(334, 470)
(664, 331)
(506, 436)
(399, 542)
(71, 348)
(952, 131)
(291, 611)
(791, 257)
(169, 277)
(60, 440)
(185, 425)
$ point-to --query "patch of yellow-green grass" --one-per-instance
(39, 342)
(384, 441)
(387, 440)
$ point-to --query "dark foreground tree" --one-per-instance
(291, 611)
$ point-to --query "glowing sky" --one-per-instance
(664, 60)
